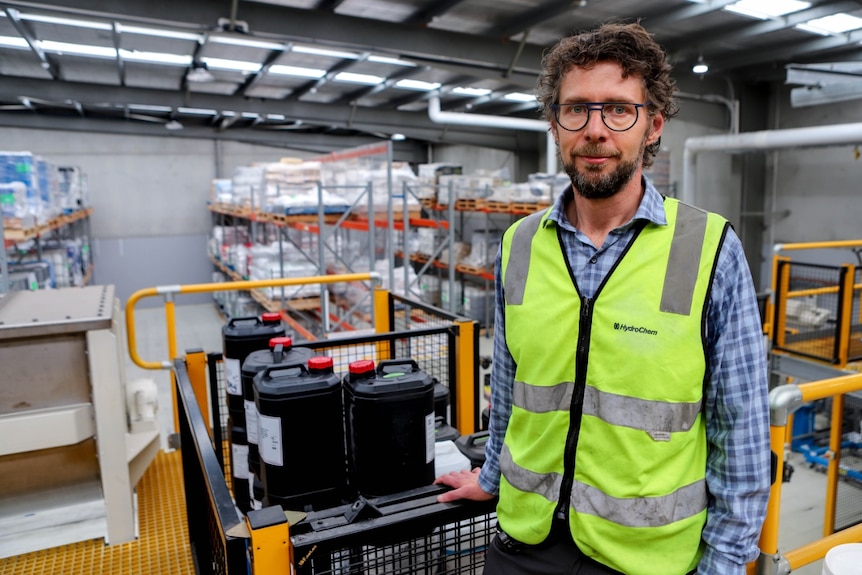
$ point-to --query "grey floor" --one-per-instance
(199, 326)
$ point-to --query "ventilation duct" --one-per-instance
(485, 121)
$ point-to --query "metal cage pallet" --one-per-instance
(399, 534)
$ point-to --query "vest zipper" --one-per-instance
(576, 409)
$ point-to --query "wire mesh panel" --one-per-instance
(218, 402)
(402, 534)
(812, 307)
(855, 351)
(209, 506)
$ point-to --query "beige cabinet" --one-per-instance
(68, 462)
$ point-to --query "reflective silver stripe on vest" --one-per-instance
(619, 410)
(684, 261)
(519, 258)
(650, 416)
(683, 503)
(542, 399)
(632, 512)
(547, 485)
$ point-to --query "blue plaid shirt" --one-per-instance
(735, 406)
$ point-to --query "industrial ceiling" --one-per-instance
(324, 74)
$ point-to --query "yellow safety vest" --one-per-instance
(606, 423)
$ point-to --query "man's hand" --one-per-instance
(465, 485)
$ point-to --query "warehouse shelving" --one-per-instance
(446, 212)
(325, 239)
(72, 225)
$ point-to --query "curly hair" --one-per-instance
(629, 45)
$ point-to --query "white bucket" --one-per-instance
(447, 457)
(843, 559)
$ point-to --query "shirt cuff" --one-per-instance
(715, 563)
(488, 484)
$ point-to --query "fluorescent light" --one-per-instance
(398, 137)
(156, 57)
(13, 42)
(520, 97)
(700, 68)
(197, 111)
(173, 125)
(149, 108)
(296, 71)
(250, 115)
(358, 78)
(765, 9)
(66, 21)
(230, 40)
(409, 84)
(393, 61)
(328, 53)
(834, 24)
(80, 49)
(471, 91)
(276, 117)
(160, 33)
(234, 65)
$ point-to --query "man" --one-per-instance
(629, 428)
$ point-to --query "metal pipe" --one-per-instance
(486, 121)
(817, 136)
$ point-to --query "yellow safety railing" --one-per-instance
(168, 292)
(783, 400)
(775, 325)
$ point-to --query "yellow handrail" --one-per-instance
(817, 245)
(783, 400)
(169, 291)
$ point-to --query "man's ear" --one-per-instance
(656, 129)
(554, 131)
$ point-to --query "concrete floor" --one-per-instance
(199, 326)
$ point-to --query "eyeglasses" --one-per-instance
(617, 116)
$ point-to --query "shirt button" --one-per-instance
(593, 260)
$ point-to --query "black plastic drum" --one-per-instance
(389, 421)
(301, 435)
(240, 337)
(280, 351)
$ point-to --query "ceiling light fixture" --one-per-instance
(199, 73)
(173, 126)
(700, 67)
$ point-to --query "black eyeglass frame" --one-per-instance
(600, 107)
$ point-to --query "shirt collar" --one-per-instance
(651, 208)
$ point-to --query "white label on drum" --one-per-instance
(239, 460)
(232, 373)
(251, 421)
(269, 439)
(429, 437)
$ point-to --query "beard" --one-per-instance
(594, 186)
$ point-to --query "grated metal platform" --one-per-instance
(162, 546)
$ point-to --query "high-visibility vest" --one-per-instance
(606, 424)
